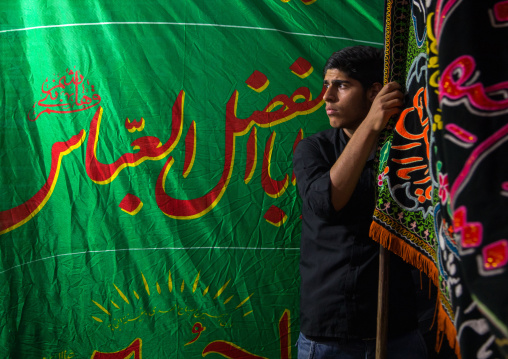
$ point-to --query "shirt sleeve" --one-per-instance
(312, 171)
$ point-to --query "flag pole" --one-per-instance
(382, 302)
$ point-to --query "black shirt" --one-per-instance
(339, 262)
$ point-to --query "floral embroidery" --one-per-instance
(443, 187)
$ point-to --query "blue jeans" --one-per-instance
(407, 346)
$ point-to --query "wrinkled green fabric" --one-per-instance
(146, 196)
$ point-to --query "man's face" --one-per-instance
(347, 103)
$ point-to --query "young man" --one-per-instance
(339, 263)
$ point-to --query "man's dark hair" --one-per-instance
(362, 63)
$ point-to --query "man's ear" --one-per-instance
(373, 91)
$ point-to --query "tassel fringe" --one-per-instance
(396, 245)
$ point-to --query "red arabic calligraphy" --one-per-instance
(272, 187)
(232, 351)
(287, 109)
(221, 347)
(133, 348)
(149, 147)
(252, 155)
(197, 328)
(306, 2)
(280, 109)
(64, 97)
(229, 350)
(17, 216)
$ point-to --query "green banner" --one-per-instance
(147, 201)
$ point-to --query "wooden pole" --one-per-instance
(382, 303)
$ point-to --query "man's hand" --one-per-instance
(387, 103)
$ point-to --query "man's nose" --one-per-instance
(330, 95)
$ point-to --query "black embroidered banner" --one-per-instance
(443, 183)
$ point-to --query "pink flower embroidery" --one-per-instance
(443, 187)
(382, 176)
(387, 205)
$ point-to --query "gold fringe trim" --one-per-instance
(396, 245)
(446, 328)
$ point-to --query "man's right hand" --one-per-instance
(388, 102)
